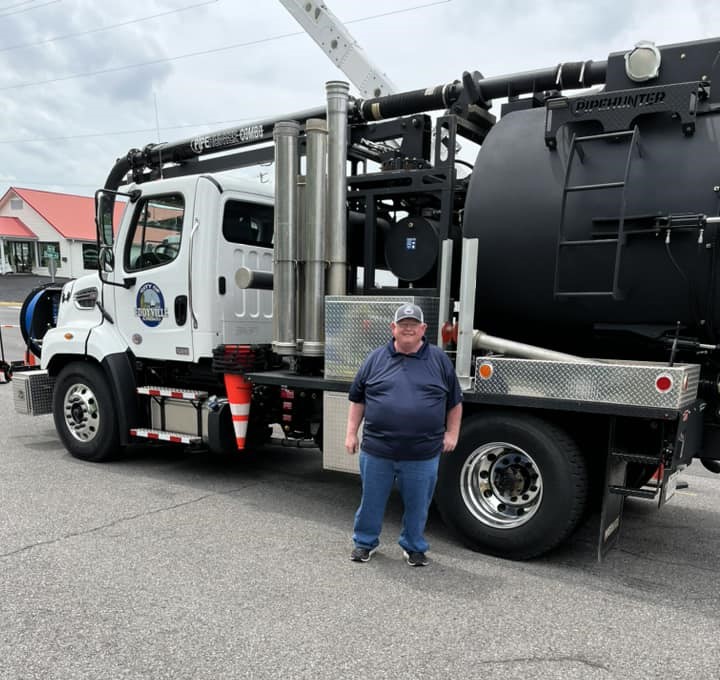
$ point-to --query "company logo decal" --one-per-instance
(150, 305)
(620, 101)
(202, 143)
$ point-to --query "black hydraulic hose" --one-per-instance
(120, 169)
(404, 103)
(570, 75)
(475, 88)
(225, 140)
(154, 155)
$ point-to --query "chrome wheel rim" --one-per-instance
(81, 412)
(501, 485)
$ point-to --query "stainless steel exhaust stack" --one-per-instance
(313, 321)
(337, 108)
(285, 135)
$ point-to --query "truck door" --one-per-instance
(246, 241)
(153, 259)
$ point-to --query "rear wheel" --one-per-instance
(515, 486)
(84, 414)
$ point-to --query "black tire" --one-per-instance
(711, 464)
(515, 486)
(84, 415)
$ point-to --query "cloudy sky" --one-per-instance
(83, 81)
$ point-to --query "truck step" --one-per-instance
(633, 493)
(162, 435)
(636, 458)
(173, 393)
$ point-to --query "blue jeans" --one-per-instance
(416, 483)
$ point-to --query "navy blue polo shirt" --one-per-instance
(406, 397)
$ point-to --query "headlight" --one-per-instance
(86, 298)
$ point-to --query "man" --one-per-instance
(408, 393)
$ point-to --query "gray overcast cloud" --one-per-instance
(107, 114)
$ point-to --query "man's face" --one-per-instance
(408, 332)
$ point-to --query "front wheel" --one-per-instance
(84, 414)
(515, 486)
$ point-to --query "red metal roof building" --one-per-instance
(39, 226)
(12, 227)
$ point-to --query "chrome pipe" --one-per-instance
(468, 277)
(285, 135)
(446, 250)
(481, 340)
(337, 112)
(302, 238)
(313, 322)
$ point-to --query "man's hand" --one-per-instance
(355, 416)
(452, 428)
(449, 442)
(351, 443)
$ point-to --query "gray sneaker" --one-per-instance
(362, 554)
(416, 559)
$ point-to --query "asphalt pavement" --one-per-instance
(179, 565)
(14, 288)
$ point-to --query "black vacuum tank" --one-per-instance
(552, 268)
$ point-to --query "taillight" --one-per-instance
(663, 383)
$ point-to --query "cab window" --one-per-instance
(156, 232)
(249, 223)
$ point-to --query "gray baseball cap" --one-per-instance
(409, 311)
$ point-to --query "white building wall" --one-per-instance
(75, 258)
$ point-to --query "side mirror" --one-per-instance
(104, 206)
(106, 259)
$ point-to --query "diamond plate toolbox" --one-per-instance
(32, 392)
(628, 383)
(356, 325)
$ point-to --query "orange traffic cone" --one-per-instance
(30, 358)
(656, 479)
(239, 392)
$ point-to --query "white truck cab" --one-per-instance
(177, 251)
(172, 293)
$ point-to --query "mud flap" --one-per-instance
(612, 505)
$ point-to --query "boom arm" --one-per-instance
(335, 40)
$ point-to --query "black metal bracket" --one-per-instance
(616, 111)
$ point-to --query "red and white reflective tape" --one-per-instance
(172, 393)
(160, 435)
(9, 325)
